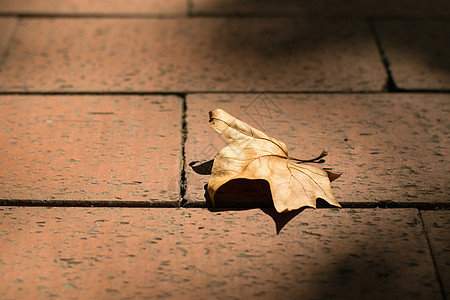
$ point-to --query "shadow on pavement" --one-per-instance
(350, 8)
(243, 194)
(325, 32)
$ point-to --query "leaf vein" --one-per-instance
(246, 134)
(325, 193)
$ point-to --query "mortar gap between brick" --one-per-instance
(38, 15)
(390, 85)
(84, 203)
(5, 54)
(354, 205)
(424, 91)
(184, 133)
(92, 93)
(393, 204)
(181, 93)
(433, 259)
(189, 8)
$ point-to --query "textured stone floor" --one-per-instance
(105, 148)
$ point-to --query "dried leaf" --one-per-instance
(252, 154)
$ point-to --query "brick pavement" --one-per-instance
(105, 103)
(196, 254)
(196, 54)
(416, 52)
(91, 148)
(437, 225)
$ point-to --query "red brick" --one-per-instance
(437, 225)
(198, 54)
(417, 51)
(114, 148)
(389, 147)
(7, 26)
(103, 253)
(322, 7)
(74, 7)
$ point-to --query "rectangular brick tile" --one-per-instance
(437, 225)
(388, 147)
(104, 7)
(114, 148)
(198, 54)
(322, 7)
(418, 52)
(7, 27)
(103, 253)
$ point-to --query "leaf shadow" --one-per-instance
(244, 194)
(202, 167)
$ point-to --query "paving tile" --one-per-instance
(99, 253)
(7, 26)
(322, 7)
(195, 54)
(417, 51)
(389, 147)
(104, 7)
(79, 148)
(437, 225)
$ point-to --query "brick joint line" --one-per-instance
(184, 133)
(183, 93)
(433, 259)
(189, 13)
(68, 15)
(93, 93)
(390, 85)
(146, 204)
(5, 54)
(190, 8)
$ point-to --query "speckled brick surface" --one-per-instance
(417, 51)
(103, 7)
(197, 54)
(389, 147)
(7, 26)
(437, 225)
(119, 148)
(322, 7)
(100, 253)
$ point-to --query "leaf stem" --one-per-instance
(323, 154)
